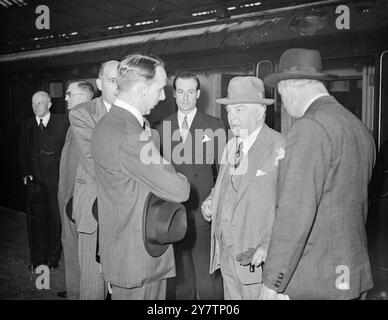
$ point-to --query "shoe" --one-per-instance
(53, 265)
(62, 294)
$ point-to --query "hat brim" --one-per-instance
(273, 79)
(154, 249)
(240, 101)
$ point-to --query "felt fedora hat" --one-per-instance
(298, 63)
(245, 90)
(164, 222)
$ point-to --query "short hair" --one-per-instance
(43, 93)
(102, 68)
(137, 67)
(186, 75)
(300, 83)
(87, 87)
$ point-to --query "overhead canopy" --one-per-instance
(241, 32)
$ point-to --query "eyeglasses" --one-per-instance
(71, 94)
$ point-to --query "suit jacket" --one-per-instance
(318, 248)
(254, 205)
(67, 171)
(200, 166)
(45, 168)
(126, 173)
(83, 119)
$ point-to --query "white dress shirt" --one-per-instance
(107, 105)
(249, 141)
(309, 103)
(45, 119)
(131, 109)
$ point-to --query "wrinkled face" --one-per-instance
(244, 118)
(186, 94)
(75, 95)
(107, 82)
(40, 104)
(154, 91)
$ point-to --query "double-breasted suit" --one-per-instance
(198, 161)
(318, 248)
(252, 211)
(83, 119)
(124, 180)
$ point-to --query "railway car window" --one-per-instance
(383, 99)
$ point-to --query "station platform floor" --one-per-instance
(18, 283)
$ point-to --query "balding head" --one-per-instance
(41, 103)
(106, 81)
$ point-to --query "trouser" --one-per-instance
(92, 284)
(155, 290)
(234, 289)
(70, 252)
(44, 228)
(192, 261)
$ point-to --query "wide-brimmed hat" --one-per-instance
(164, 222)
(245, 90)
(298, 63)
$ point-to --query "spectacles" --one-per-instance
(71, 94)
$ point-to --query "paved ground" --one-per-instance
(17, 282)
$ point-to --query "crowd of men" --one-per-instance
(188, 210)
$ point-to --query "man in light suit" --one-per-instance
(242, 203)
(83, 119)
(76, 93)
(318, 247)
(126, 173)
(192, 253)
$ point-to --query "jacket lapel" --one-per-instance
(257, 155)
(100, 109)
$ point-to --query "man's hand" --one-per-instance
(25, 179)
(267, 293)
(259, 256)
(206, 209)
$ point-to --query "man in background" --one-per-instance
(193, 280)
(83, 119)
(41, 141)
(76, 93)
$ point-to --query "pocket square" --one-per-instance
(260, 173)
(205, 138)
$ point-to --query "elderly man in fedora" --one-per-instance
(242, 203)
(318, 247)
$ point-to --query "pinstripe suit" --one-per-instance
(83, 119)
(124, 181)
(67, 171)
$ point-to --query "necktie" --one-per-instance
(41, 125)
(238, 155)
(185, 128)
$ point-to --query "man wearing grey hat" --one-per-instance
(318, 247)
(242, 203)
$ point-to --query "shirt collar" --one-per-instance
(190, 117)
(309, 103)
(107, 105)
(248, 141)
(131, 109)
(45, 119)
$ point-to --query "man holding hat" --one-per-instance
(242, 203)
(126, 174)
(318, 247)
